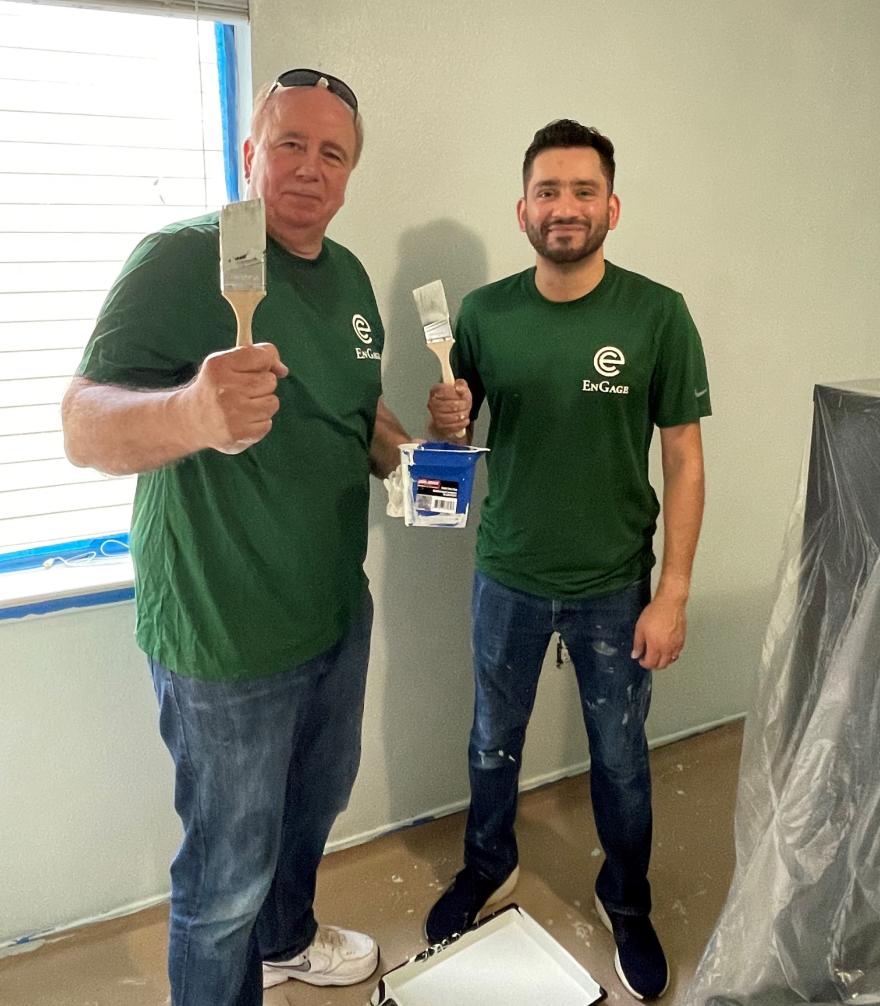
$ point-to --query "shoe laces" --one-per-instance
(329, 937)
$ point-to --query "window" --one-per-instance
(111, 126)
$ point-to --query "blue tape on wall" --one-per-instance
(227, 73)
(63, 603)
(69, 553)
(86, 552)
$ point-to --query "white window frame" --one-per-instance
(102, 574)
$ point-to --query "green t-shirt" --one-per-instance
(574, 392)
(249, 564)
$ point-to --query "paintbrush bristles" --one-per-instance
(431, 302)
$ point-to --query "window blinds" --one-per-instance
(229, 11)
(109, 129)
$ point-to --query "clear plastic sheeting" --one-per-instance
(802, 918)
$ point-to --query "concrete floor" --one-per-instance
(387, 886)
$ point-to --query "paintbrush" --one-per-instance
(243, 261)
(431, 303)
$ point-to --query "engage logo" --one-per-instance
(363, 331)
(608, 361)
(362, 328)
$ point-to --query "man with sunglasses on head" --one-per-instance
(578, 361)
(248, 537)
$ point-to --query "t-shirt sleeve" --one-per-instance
(137, 341)
(464, 355)
(679, 385)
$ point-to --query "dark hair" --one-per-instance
(568, 133)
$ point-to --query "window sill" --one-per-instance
(42, 591)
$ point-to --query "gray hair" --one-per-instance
(262, 100)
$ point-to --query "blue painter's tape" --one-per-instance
(70, 553)
(51, 605)
(227, 78)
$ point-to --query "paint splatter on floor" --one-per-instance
(583, 931)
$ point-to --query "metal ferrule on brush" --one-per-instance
(244, 272)
(436, 331)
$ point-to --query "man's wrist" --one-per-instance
(673, 589)
(432, 433)
(184, 420)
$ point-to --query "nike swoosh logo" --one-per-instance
(699, 394)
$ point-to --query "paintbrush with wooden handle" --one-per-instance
(243, 261)
(431, 302)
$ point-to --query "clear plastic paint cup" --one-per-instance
(437, 482)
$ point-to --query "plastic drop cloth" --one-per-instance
(802, 918)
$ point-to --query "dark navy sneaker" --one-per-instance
(459, 907)
(639, 962)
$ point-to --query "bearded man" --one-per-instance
(578, 361)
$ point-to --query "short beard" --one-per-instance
(560, 255)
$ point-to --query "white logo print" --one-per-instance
(362, 328)
(363, 331)
(608, 361)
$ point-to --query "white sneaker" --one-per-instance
(334, 957)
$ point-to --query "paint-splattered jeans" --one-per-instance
(263, 767)
(511, 631)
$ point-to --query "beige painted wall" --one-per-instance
(747, 152)
(747, 148)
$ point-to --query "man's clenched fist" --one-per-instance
(232, 399)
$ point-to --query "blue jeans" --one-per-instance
(263, 767)
(511, 632)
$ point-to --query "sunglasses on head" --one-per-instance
(315, 78)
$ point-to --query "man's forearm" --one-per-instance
(122, 431)
(388, 435)
(683, 495)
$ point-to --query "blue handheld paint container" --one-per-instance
(437, 482)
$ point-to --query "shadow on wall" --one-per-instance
(726, 628)
(422, 585)
(444, 250)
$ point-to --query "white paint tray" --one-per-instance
(507, 960)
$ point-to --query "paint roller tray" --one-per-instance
(507, 960)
